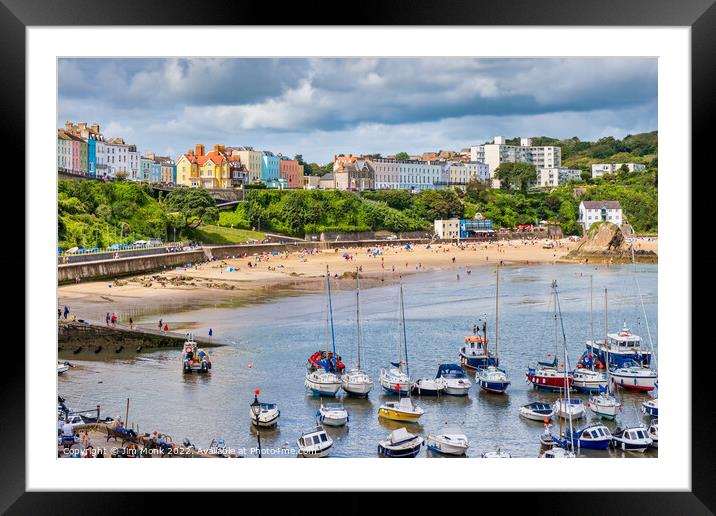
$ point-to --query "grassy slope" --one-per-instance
(209, 234)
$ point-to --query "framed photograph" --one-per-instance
(433, 237)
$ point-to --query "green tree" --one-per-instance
(194, 205)
(516, 175)
(402, 156)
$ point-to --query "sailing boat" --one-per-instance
(356, 382)
(491, 378)
(394, 380)
(636, 375)
(586, 377)
(605, 404)
(320, 377)
(547, 375)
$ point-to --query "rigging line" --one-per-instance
(641, 300)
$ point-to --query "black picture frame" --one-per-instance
(700, 15)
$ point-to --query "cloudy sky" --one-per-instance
(322, 107)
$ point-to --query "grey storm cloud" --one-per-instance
(168, 104)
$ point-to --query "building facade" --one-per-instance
(387, 174)
(556, 176)
(599, 169)
(498, 152)
(291, 171)
(270, 167)
(64, 152)
(460, 174)
(198, 168)
(600, 211)
(252, 161)
(145, 168)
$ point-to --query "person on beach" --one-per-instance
(106, 319)
(59, 313)
(131, 324)
(166, 327)
(66, 311)
(160, 325)
(114, 319)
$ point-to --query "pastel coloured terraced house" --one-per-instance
(205, 169)
(270, 167)
(292, 172)
(251, 160)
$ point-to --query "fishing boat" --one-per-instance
(622, 346)
(537, 411)
(490, 378)
(594, 437)
(429, 386)
(456, 381)
(499, 454)
(357, 382)
(451, 441)
(394, 379)
(634, 377)
(268, 415)
(332, 414)
(653, 433)
(314, 443)
(474, 353)
(605, 404)
(651, 407)
(569, 408)
(62, 367)
(401, 410)
(633, 439)
(400, 444)
(194, 359)
(321, 378)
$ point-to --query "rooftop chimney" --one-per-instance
(199, 149)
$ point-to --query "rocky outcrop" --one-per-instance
(605, 242)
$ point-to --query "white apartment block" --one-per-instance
(447, 229)
(122, 157)
(420, 175)
(498, 152)
(460, 174)
(387, 174)
(599, 169)
(556, 176)
(600, 211)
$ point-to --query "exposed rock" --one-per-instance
(605, 242)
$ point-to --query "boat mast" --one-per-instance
(591, 311)
(497, 311)
(405, 335)
(330, 315)
(643, 310)
(358, 314)
(606, 340)
(566, 367)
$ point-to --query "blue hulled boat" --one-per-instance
(593, 437)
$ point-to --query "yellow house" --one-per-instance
(206, 170)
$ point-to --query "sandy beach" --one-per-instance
(274, 274)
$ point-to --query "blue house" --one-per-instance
(270, 167)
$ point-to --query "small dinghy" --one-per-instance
(332, 414)
(194, 359)
(499, 454)
(547, 439)
(402, 410)
(429, 386)
(268, 415)
(594, 437)
(633, 439)
(537, 411)
(566, 408)
(492, 379)
(558, 453)
(653, 433)
(451, 441)
(400, 444)
(604, 405)
(314, 443)
(651, 407)
(456, 381)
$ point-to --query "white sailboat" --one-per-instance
(323, 381)
(605, 404)
(491, 378)
(394, 379)
(357, 382)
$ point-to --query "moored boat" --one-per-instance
(622, 347)
(451, 441)
(558, 453)
(634, 377)
(429, 386)
(474, 352)
(395, 380)
(569, 408)
(314, 443)
(537, 411)
(400, 444)
(653, 433)
(633, 439)
(456, 381)
(62, 367)
(357, 382)
(401, 410)
(549, 376)
(588, 380)
(194, 359)
(322, 383)
(332, 414)
(604, 405)
(499, 454)
(651, 407)
(492, 379)
(595, 437)
(268, 415)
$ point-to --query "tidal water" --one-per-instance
(270, 342)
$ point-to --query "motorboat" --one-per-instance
(400, 444)
(456, 381)
(653, 433)
(499, 454)
(634, 439)
(357, 382)
(537, 411)
(549, 376)
(588, 380)
(651, 407)
(595, 437)
(402, 410)
(604, 405)
(332, 414)
(314, 443)
(429, 386)
(194, 359)
(572, 407)
(634, 377)
(451, 441)
(558, 453)
(268, 415)
(492, 379)
(395, 381)
(474, 352)
(62, 367)
(622, 347)
(322, 383)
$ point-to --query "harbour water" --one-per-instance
(271, 341)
